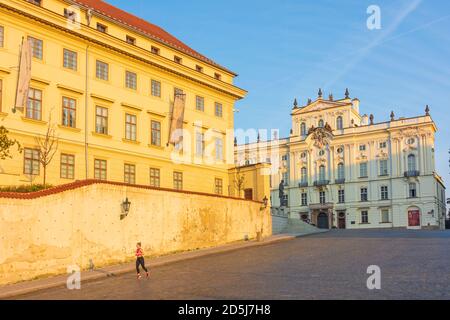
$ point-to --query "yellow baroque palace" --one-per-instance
(106, 80)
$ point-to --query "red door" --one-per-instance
(414, 218)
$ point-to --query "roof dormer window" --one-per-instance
(199, 68)
(218, 76)
(36, 2)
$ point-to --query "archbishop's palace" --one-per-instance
(340, 169)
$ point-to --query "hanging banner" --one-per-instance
(23, 82)
(176, 124)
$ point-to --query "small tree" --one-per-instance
(239, 180)
(6, 144)
(48, 145)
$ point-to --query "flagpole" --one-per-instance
(18, 77)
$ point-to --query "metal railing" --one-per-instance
(412, 173)
(319, 183)
(340, 181)
(303, 184)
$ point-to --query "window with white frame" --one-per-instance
(385, 216)
(131, 80)
(383, 167)
(219, 148)
(341, 196)
(285, 178)
(411, 162)
(322, 173)
(363, 170)
(364, 216)
(304, 175)
(322, 198)
(199, 144)
(304, 199)
(412, 190)
(339, 123)
(341, 171)
(384, 193)
(70, 59)
(303, 129)
(2, 36)
(364, 194)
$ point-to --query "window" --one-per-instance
(2, 37)
(156, 88)
(339, 123)
(199, 68)
(178, 180)
(131, 40)
(285, 178)
(177, 59)
(31, 164)
(218, 76)
(303, 129)
(284, 157)
(199, 144)
(384, 193)
(385, 216)
(340, 171)
(102, 27)
(200, 103)
(321, 123)
(304, 199)
(322, 197)
(177, 92)
(248, 194)
(218, 186)
(155, 175)
(341, 196)
(102, 70)
(156, 133)
(322, 173)
(130, 127)
(131, 80)
(1, 94)
(364, 217)
(34, 104)
(129, 174)
(410, 141)
(218, 109)
(70, 60)
(67, 166)
(69, 107)
(383, 167)
(70, 14)
(100, 169)
(101, 120)
(362, 147)
(219, 149)
(383, 145)
(36, 47)
(304, 175)
(363, 170)
(36, 2)
(155, 50)
(411, 162)
(364, 196)
(412, 190)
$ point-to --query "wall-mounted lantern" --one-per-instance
(265, 202)
(125, 208)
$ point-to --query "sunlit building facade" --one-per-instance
(341, 169)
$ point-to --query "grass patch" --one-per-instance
(25, 188)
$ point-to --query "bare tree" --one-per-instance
(6, 144)
(48, 145)
(239, 180)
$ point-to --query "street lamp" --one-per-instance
(125, 208)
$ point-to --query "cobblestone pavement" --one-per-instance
(414, 265)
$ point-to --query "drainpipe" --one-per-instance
(391, 177)
(86, 102)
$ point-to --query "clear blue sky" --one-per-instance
(289, 48)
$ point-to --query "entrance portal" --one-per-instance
(322, 221)
(341, 220)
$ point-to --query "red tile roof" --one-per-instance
(148, 28)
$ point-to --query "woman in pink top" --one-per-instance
(140, 260)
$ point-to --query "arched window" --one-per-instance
(303, 129)
(411, 162)
(321, 125)
(322, 173)
(304, 174)
(340, 171)
(339, 123)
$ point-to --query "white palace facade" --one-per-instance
(339, 169)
